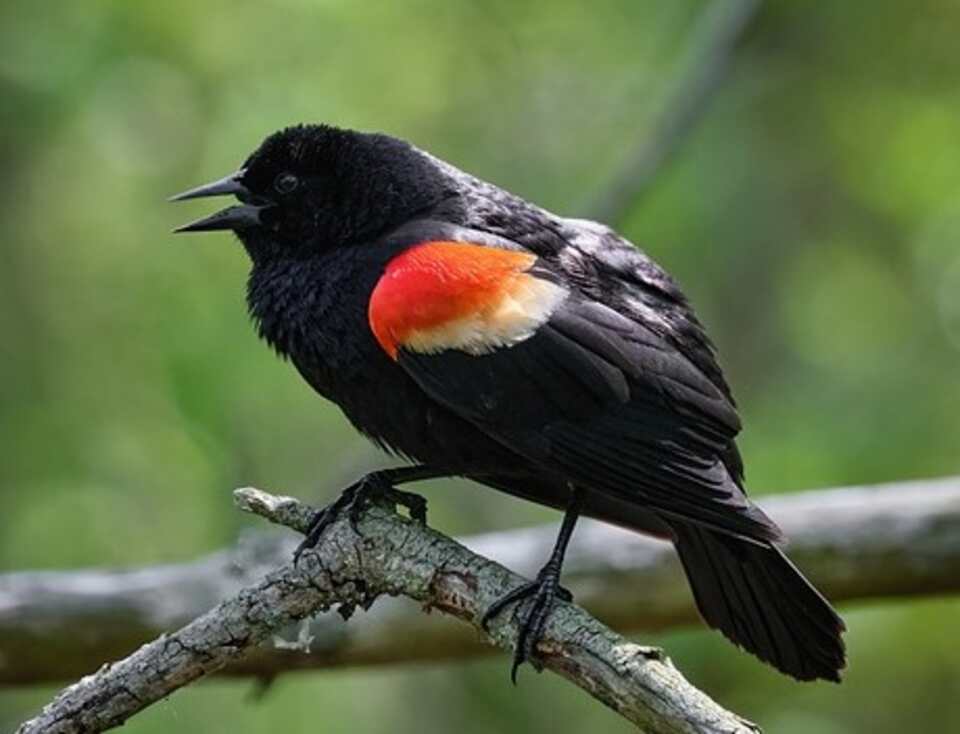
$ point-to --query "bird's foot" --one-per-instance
(374, 488)
(537, 600)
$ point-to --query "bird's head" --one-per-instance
(311, 188)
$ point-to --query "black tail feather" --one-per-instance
(759, 600)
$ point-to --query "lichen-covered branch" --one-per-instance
(856, 543)
(390, 556)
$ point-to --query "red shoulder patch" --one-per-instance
(456, 295)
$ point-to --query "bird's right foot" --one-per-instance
(536, 600)
(369, 489)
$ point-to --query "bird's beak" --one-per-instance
(241, 216)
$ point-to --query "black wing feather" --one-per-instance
(609, 404)
(620, 392)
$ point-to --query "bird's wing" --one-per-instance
(507, 342)
(616, 272)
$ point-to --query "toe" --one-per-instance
(318, 524)
(521, 651)
(531, 630)
(521, 592)
(356, 514)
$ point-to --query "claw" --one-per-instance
(354, 500)
(321, 520)
(537, 601)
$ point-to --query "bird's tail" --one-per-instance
(760, 601)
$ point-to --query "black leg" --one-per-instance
(376, 486)
(541, 594)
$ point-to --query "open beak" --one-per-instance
(241, 216)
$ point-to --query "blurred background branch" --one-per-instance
(857, 543)
(346, 570)
(702, 69)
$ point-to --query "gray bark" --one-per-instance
(855, 543)
(391, 556)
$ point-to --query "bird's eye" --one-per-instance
(285, 183)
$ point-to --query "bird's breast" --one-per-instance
(313, 312)
(317, 317)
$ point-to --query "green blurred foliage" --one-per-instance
(813, 217)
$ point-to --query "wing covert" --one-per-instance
(564, 380)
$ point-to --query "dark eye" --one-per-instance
(285, 183)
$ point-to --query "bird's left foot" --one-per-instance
(371, 489)
(537, 600)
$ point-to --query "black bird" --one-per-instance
(478, 335)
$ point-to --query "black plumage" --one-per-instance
(614, 405)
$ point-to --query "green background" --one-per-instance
(812, 217)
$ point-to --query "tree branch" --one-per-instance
(856, 543)
(391, 556)
(711, 45)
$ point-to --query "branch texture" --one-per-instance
(856, 543)
(391, 556)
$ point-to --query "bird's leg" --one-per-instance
(377, 486)
(540, 595)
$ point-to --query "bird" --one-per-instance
(471, 333)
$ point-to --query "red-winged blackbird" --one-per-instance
(459, 326)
